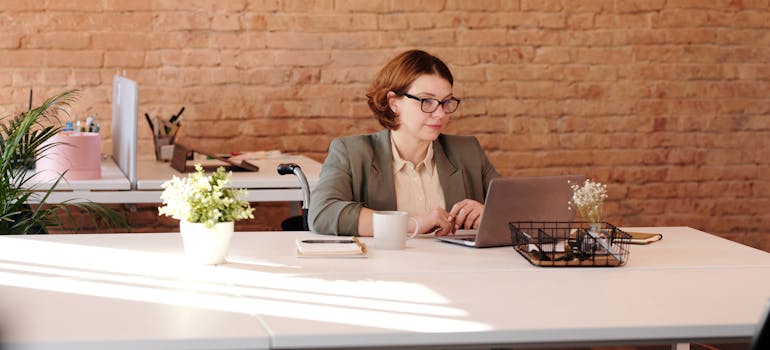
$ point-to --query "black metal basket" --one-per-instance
(570, 243)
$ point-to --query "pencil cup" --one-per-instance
(390, 229)
(77, 155)
(164, 150)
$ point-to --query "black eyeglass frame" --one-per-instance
(439, 103)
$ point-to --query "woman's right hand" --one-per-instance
(437, 220)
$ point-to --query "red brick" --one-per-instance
(225, 22)
(590, 38)
(541, 5)
(478, 5)
(60, 40)
(119, 41)
(254, 21)
(23, 58)
(588, 6)
(481, 37)
(128, 5)
(639, 6)
(614, 21)
(392, 21)
(603, 55)
(361, 6)
(171, 21)
(321, 23)
(314, 6)
(553, 20)
(537, 37)
(23, 5)
(80, 5)
(581, 21)
(74, 59)
(416, 5)
(752, 19)
(124, 59)
(354, 58)
(692, 18)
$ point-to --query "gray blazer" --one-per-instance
(358, 172)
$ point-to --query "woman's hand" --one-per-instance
(467, 214)
(437, 220)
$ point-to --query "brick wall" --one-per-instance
(666, 101)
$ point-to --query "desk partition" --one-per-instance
(431, 294)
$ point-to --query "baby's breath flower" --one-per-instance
(588, 199)
(204, 199)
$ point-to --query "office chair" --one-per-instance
(761, 339)
(298, 222)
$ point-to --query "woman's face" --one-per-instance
(415, 123)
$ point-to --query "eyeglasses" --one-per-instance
(430, 105)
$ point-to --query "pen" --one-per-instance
(177, 116)
(149, 121)
(173, 136)
(328, 241)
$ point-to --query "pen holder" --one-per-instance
(164, 148)
(77, 153)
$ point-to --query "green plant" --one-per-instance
(204, 199)
(22, 140)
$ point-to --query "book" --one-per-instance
(644, 238)
(343, 247)
(636, 237)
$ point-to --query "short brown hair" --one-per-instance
(397, 76)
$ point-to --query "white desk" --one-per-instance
(266, 185)
(105, 190)
(104, 292)
(430, 294)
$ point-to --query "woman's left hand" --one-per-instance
(467, 214)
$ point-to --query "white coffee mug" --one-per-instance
(390, 229)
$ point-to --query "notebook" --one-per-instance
(541, 198)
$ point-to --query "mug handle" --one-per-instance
(416, 227)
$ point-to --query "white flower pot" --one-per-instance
(206, 246)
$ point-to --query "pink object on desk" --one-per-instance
(79, 153)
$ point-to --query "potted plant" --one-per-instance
(22, 141)
(589, 201)
(207, 211)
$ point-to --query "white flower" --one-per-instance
(589, 199)
(204, 199)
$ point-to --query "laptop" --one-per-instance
(541, 198)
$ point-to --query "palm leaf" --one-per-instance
(23, 138)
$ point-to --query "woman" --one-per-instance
(441, 180)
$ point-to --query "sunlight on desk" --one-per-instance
(166, 278)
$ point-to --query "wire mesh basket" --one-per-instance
(570, 243)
